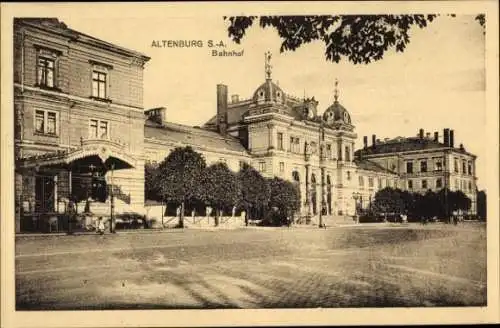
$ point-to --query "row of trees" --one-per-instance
(184, 179)
(441, 204)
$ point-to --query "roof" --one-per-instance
(367, 165)
(55, 26)
(197, 137)
(401, 144)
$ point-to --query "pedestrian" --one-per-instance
(100, 226)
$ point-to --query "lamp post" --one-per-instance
(112, 202)
(322, 168)
(356, 196)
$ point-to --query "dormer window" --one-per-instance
(261, 94)
(346, 117)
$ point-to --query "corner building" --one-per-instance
(78, 111)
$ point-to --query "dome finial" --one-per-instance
(268, 65)
(336, 92)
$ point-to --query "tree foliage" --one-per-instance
(440, 204)
(255, 191)
(220, 187)
(151, 187)
(283, 201)
(178, 177)
(481, 204)
(359, 38)
(388, 200)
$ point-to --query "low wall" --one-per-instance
(154, 215)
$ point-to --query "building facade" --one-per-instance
(427, 162)
(80, 127)
(79, 119)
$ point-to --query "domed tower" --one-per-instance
(268, 92)
(336, 116)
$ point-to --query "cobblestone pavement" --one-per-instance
(255, 268)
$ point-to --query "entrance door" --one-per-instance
(44, 194)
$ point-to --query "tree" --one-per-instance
(178, 177)
(284, 200)
(220, 188)
(255, 190)
(151, 187)
(388, 201)
(359, 38)
(481, 205)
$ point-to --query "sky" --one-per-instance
(437, 83)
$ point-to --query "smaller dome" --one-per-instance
(336, 113)
(268, 92)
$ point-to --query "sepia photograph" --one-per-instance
(200, 157)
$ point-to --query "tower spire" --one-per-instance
(268, 66)
(336, 91)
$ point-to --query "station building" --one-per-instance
(79, 116)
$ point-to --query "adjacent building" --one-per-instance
(426, 162)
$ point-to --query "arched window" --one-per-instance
(313, 178)
(295, 176)
(328, 180)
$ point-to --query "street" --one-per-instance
(363, 266)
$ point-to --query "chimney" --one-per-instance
(374, 139)
(235, 98)
(446, 137)
(428, 135)
(421, 133)
(436, 136)
(365, 142)
(452, 138)
(222, 108)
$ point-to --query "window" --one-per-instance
(410, 184)
(98, 129)
(46, 122)
(455, 165)
(282, 167)
(295, 145)
(348, 175)
(262, 166)
(424, 184)
(438, 165)
(379, 183)
(469, 170)
(370, 182)
(40, 121)
(409, 167)
(464, 165)
(423, 166)
(470, 186)
(45, 72)
(328, 151)
(51, 123)
(242, 164)
(347, 154)
(456, 183)
(280, 141)
(361, 181)
(99, 84)
(439, 183)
